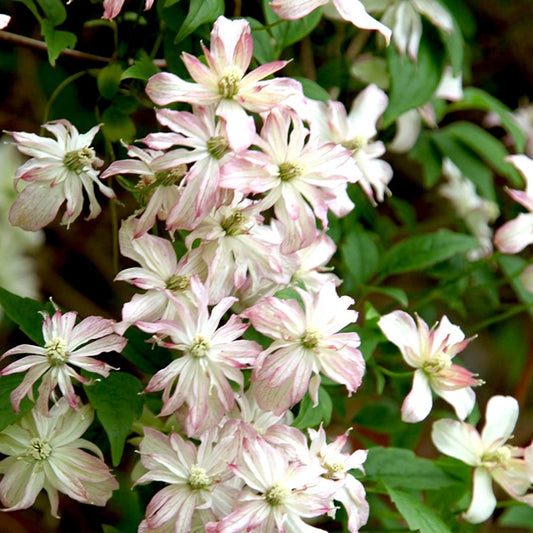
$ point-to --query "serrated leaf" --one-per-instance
(412, 83)
(56, 40)
(54, 11)
(25, 313)
(313, 90)
(422, 251)
(398, 467)
(360, 255)
(142, 69)
(108, 80)
(416, 514)
(200, 12)
(309, 416)
(7, 415)
(117, 403)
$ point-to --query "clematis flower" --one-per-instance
(210, 357)
(113, 7)
(58, 171)
(355, 132)
(306, 342)
(224, 84)
(516, 234)
(66, 345)
(350, 10)
(490, 456)
(200, 486)
(430, 352)
(45, 451)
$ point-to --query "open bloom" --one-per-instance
(65, 345)
(58, 171)
(44, 451)
(431, 351)
(489, 454)
(223, 82)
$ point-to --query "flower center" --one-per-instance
(436, 364)
(39, 449)
(334, 470)
(310, 339)
(276, 494)
(56, 351)
(289, 170)
(218, 146)
(501, 456)
(198, 478)
(234, 224)
(77, 160)
(356, 143)
(199, 347)
(178, 283)
(228, 85)
(170, 176)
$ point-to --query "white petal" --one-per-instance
(418, 403)
(462, 400)
(500, 419)
(400, 329)
(483, 499)
(457, 439)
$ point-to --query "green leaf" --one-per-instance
(360, 255)
(289, 32)
(30, 4)
(264, 44)
(416, 514)
(117, 125)
(146, 357)
(412, 84)
(142, 68)
(423, 251)
(474, 98)
(519, 516)
(108, 80)
(309, 416)
(371, 69)
(117, 403)
(7, 415)
(313, 90)
(454, 43)
(54, 11)
(393, 292)
(25, 313)
(56, 40)
(427, 155)
(398, 467)
(200, 12)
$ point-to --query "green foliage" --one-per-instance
(142, 69)
(200, 12)
(309, 416)
(56, 40)
(7, 415)
(108, 80)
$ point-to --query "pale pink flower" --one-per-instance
(44, 451)
(306, 342)
(159, 187)
(350, 10)
(516, 234)
(430, 352)
(490, 456)
(279, 493)
(66, 345)
(113, 7)
(200, 486)
(211, 357)
(59, 170)
(350, 491)
(302, 176)
(223, 82)
(355, 132)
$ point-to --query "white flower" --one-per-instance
(489, 454)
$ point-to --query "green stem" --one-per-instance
(392, 374)
(503, 316)
(55, 94)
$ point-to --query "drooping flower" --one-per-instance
(430, 352)
(45, 451)
(113, 7)
(350, 10)
(490, 456)
(59, 170)
(200, 486)
(66, 345)
(224, 82)
(210, 357)
(306, 342)
(516, 234)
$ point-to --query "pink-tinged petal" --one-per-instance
(418, 403)
(36, 206)
(20, 485)
(261, 72)
(110, 343)
(240, 127)
(112, 8)
(23, 364)
(483, 500)
(459, 440)
(149, 307)
(165, 88)
(401, 330)
(295, 9)
(354, 11)
(25, 388)
(500, 419)
(92, 327)
(264, 95)
(353, 497)
(205, 78)
(462, 400)
(344, 365)
(231, 43)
